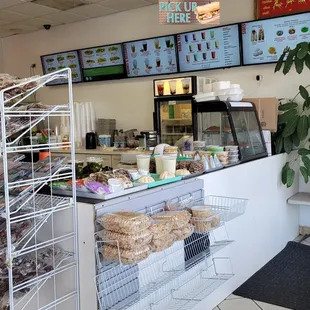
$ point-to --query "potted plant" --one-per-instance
(294, 117)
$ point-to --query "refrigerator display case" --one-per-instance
(230, 123)
(173, 106)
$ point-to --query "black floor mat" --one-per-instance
(284, 281)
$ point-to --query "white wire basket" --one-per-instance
(120, 286)
(228, 207)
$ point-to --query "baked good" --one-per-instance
(182, 172)
(127, 257)
(125, 222)
(183, 233)
(161, 244)
(177, 218)
(184, 164)
(202, 211)
(166, 175)
(146, 179)
(129, 242)
(196, 167)
(160, 228)
(202, 225)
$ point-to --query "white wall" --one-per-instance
(131, 101)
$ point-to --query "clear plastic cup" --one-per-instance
(159, 164)
(143, 162)
(169, 163)
(185, 85)
(173, 87)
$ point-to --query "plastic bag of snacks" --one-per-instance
(125, 222)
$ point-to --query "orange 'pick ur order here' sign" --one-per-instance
(189, 12)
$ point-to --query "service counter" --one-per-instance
(259, 234)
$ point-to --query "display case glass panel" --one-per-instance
(214, 128)
(248, 133)
(175, 120)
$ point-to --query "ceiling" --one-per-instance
(21, 16)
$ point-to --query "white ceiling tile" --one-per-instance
(39, 22)
(32, 9)
(124, 5)
(4, 34)
(8, 3)
(17, 27)
(92, 10)
(64, 17)
(11, 17)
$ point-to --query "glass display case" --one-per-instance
(175, 120)
(173, 108)
(230, 123)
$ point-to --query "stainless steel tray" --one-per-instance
(82, 194)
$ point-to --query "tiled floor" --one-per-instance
(234, 302)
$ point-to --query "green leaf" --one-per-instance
(302, 127)
(307, 61)
(279, 144)
(288, 106)
(306, 104)
(280, 62)
(290, 126)
(303, 152)
(284, 173)
(306, 162)
(288, 62)
(295, 139)
(304, 173)
(285, 117)
(303, 50)
(299, 65)
(288, 145)
(290, 177)
(303, 92)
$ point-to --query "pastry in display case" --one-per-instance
(232, 125)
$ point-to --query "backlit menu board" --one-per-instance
(54, 62)
(151, 56)
(264, 41)
(210, 48)
(102, 62)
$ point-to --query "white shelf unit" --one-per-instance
(39, 247)
(179, 277)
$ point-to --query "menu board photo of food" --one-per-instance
(151, 57)
(55, 62)
(103, 62)
(265, 40)
(209, 49)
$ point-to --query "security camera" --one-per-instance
(47, 26)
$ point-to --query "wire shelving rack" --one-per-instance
(177, 278)
(39, 246)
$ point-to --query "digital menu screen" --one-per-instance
(265, 40)
(211, 48)
(102, 62)
(55, 62)
(151, 57)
